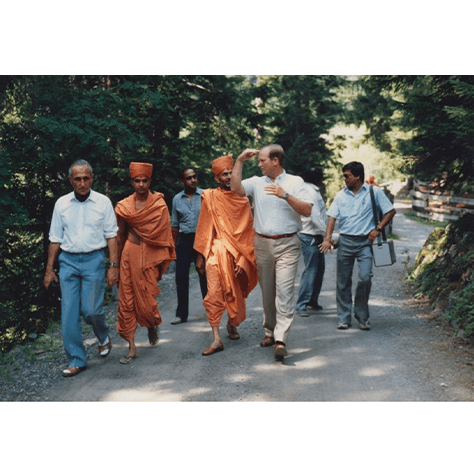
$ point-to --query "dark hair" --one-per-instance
(186, 169)
(275, 151)
(80, 164)
(313, 175)
(356, 168)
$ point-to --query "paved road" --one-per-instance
(398, 360)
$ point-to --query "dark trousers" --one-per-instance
(185, 255)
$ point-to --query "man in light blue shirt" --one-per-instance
(357, 231)
(83, 225)
(185, 211)
(280, 199)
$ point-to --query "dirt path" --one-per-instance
(405, 357)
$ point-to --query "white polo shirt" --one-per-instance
(273, 215)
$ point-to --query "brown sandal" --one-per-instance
(233, 333)
(72, 371)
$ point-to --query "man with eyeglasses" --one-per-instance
(83, 225)
(184, 218)
(357, 231)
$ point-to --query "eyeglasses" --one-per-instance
(347, 176)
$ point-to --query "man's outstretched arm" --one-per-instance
(236, 178)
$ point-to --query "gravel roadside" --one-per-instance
(30, 370)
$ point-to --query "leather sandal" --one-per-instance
(104, 350)
(72, 371)
(233, 333)
(212, 350)
(267, 341)
(128, 359)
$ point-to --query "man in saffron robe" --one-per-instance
(224, 242)
(146, 249)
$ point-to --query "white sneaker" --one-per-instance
(177, 320)
(342, 326)
(364, 326)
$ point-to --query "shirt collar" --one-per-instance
(364, 187)
(198, 191)
(278, 178)
(92, 197)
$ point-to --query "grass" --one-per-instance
(422, 220)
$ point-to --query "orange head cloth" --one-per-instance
(139, 169)
(222, 163)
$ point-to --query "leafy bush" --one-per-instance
(444, 272)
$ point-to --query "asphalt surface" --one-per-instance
(397, 360)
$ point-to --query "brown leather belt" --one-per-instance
(275, 237)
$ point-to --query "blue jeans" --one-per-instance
(313, 273)
(353, 248)
(82, 280)
(185, 255)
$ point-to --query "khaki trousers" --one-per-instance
(277, 263)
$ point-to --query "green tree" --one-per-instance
(425, 119)
(298, 113)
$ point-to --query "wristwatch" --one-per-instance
(378, 229)
(115, 265)
(286, 196)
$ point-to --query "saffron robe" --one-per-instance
(142, 265)
(224, 236)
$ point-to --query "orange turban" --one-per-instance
(139, 169)
(222, 163)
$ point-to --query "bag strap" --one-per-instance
(374, 209)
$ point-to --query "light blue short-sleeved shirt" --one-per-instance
(273, 215)
(185, 214)
(83, 227)
(354, 211)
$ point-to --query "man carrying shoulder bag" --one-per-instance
(358, 230)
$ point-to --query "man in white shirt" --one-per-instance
(83, 225)
(311, 236)
(279, 200)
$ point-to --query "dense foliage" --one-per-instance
(47, 122)
(427, 120)
(422, 126)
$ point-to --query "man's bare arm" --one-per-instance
(236, 178)
(49, 274)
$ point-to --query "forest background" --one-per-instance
(398, 126)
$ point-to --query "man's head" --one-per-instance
(271, 159)
(81, 177)
(313, 175)
(140, 174)
(189, 180)
(222, 168)
(353, 174)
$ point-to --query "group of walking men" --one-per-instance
(232, 247)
